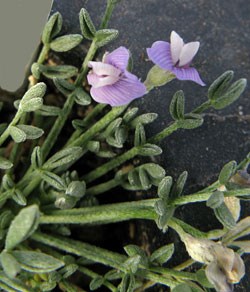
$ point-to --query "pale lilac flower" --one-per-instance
(111, 82)
(176, 57)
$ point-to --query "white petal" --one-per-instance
(176, 45)
(103, 69)
(188, 52)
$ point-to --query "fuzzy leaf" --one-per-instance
(140, 135)
(5, 163)
(87, 27)
(227, 172)
(81, 96)
(53, 180)
(52, 28)
(149, 150)
(22, 226)
(96, 283)
(158, 77)
(218, 87)
(65, 87)
(36, 91)
(179, 185)
(31, 132)
(225, 217)
(177, 105)
(49, 111)
(215, 200)
(36, 158)
(162, 254)
(10, 265)
(76, 189)
(17, 134)
(63, 157)
(37, 262)
(31, 105)
(59, 71)
(191, 121)
(165, 187)
(19, 198)
(130, 114)
(105, 36)
(144, 119)
(66, 43)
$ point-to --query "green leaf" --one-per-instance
(140, 135)
(231, 95)
(177, 106)
(10, 265)
(215, 200)
(36, 158)
(5, 218)
(241, 229)
(112, 127)
(163, 254)
(76, 189)
(202, 279)
(160, 207)
(19, 198)
(165, 187)
(54, 180)
(144, 119)
(105, 36)
(219, 86)
(162, 221)
(17, 134)
(31, 132)
(130, 114)
(52, 28)
(5, 163)
(31, 105)
(65, 87)
(149, 150)
(66, 43)
(179, 185)
(49, 111)
(37, 262)
(22, 226)
(158, 77)
(63, 157)
(127, 284)
(227, 172)
(225, 217)
(132, 263)
(7, 182)
(93, 146)
(87, 27)
(81, 96)
(96, 283)
(182, 288)
(144, 179)
(191, 121)
(154, 170)
(58, 71)
(36, 91)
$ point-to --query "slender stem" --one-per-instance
(103, 214)
(171, 272)
(164, 133)
(6, 133)
(108, 12)
(102, 188)
(184, 265)
(13, 283)
(201, 108)
(43, 54)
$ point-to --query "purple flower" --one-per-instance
(111, 82)
(176, 57)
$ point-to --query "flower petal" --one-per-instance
(118, 58)
(188, 74)
(160, 54)
(100, 69)
(188, 52)
(122, 92)
(176, 45)
(98, 81)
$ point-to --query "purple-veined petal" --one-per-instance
(100, 69)
(128, 88)
(176, 45)
(188, 52)
(118, 58)
(188, 74)
(98, 81)
(160, 54)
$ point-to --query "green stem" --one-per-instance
(164, 133)
(13, 283)
(102, 188)
(201, 108)
(99, 255)
(43, 54)
(6, 133)
(108, 12)
(103, 214)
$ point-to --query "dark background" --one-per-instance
(223, 29)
